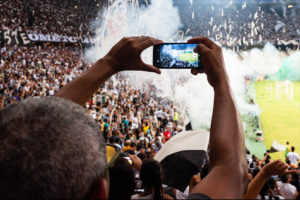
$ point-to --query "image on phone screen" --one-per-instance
(176, 55)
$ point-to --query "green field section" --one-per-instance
(280, 116)
(189, 57)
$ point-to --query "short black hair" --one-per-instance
(117, 139)
(293, 148)
(142, 156)
(132, 144)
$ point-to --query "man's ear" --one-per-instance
(99, 190)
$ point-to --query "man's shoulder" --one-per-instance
(290, 153)
(293, 154)
(279, 183)
(292, 187)
(287, 186)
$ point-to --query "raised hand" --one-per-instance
(212, 60)
(126, 54)
(276, 168)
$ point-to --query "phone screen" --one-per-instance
(176, 56)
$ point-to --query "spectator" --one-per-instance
(261, 184)
(121, 180)
(167, 134)
(50, 150)
(287, 149)
(293, 157)
(288, 190)
(127, 145)
(117, 142)
(151, 181)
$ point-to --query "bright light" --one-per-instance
(75, 6)
(290, 6)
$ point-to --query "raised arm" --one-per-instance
(227, 177)
(125, 55)
(273, 168)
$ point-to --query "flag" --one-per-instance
(276, 147)
(182, 157)
(279, 25)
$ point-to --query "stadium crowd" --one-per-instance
(136, 121)
(70, 18)
(230, 24)
(239, 24)
(39, 70)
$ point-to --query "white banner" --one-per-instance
(59, 38)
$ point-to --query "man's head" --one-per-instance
(117, 140)
(286, 178)
(293, 148)
(127, 143)
(50, 148)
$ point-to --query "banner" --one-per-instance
(38, 37)
(13, 37)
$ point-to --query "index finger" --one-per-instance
(294, 171)
(147, 42)
(204, 40)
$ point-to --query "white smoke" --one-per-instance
(125, 18)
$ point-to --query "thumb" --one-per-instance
(201, 49)
(151, 68)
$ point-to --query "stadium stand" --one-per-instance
(130, 118)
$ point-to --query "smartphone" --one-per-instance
(176, 56)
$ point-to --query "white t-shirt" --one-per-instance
(287, 189)
(135, 123)
(137, 196)
(159, 113)
(293, 157)
(51, 92)
(144, 138)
